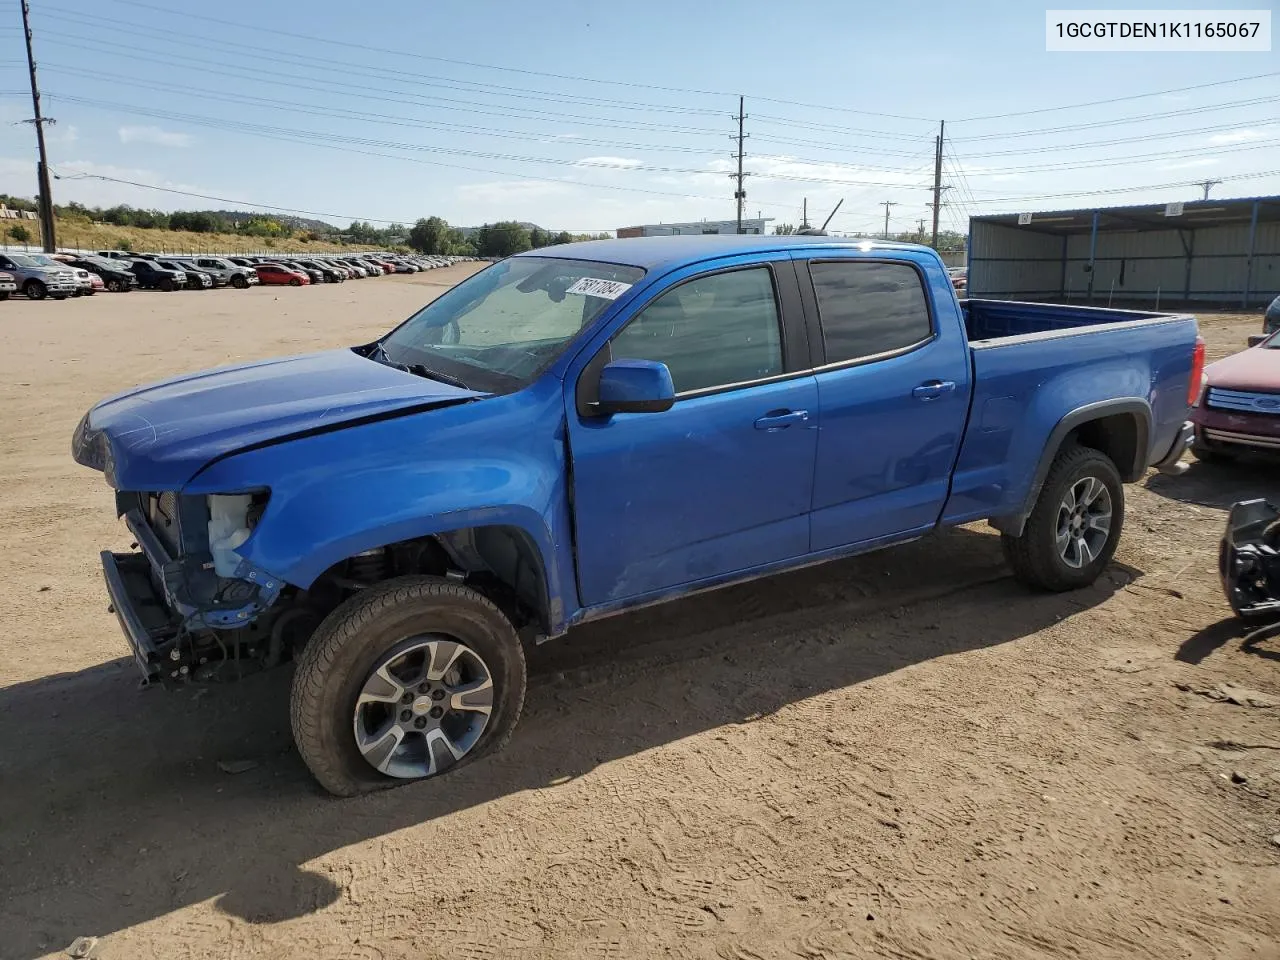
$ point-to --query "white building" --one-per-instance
(756, 226)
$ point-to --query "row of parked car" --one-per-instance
(62, 275)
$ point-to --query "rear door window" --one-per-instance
(867, 308)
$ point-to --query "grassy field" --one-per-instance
(81, 234)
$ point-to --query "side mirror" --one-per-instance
(1257, 338)
(635, 386)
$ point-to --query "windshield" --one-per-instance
(43, 261)
(501, 328)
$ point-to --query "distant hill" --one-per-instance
(296, 223)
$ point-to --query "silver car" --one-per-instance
(39, 276)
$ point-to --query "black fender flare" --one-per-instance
(1135, 407)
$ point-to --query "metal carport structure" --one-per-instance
(1223, 252)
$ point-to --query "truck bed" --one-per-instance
(1031, 361)
(986, 320)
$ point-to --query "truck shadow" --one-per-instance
(1218, 484)
(116, 812)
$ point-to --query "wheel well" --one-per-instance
(501, 561)
(1121, 436)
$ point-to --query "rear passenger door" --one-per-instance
(893, 396)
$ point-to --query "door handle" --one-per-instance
(932, 389)
(778, 419)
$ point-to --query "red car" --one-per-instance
(275, 273)
(1239, 407)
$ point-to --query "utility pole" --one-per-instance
(740, 195)
(42, 171)
(920, 228)
(937, 180)
(887, 204)
(1206, 184)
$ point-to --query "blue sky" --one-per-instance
(591, 115)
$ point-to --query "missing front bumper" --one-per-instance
(145, 619)
(1249, 560)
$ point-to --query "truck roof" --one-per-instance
(652, 252)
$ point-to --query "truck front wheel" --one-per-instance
(1075, 526)
(406, 680)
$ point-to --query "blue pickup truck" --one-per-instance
(588, 428)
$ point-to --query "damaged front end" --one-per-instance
(186, 602)
(1249, 560)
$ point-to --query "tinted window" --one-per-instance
(869, 308)
(718, 330)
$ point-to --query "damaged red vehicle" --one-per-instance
(1239, 407)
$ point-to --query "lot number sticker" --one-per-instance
(604, 289)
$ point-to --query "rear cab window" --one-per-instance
(869, 309)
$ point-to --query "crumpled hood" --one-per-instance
(1256, 369)
(157, 437)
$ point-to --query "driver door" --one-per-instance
(722, 481)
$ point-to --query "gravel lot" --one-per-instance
(904, 755)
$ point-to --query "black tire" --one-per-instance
(113, 286)
(295, 282)
(239, 282)
(1034, 556)
(4, 295)
(167, 284)
(35, 290)
(345, 648)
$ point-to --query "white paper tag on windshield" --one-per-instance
(604, 289)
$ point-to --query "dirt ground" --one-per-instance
(904, 755)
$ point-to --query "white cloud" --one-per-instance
(1237, 136)
(1189, 164)
(621, 163)
(154, 136)
(67, 134)
(17, 176)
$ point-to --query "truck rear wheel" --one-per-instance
(406, 680)
(1075, 526)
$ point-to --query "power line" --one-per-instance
(1186, 111)
(455, 166)
(382, 74)
(1137, 138)
(307, 135)
(205, 196)
(221, 22)
(1114, 190)
(1135, 96)
(1123, 161)
(399, 120)
(333, 87)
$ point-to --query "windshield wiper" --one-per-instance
(379, 354)
(422, 370)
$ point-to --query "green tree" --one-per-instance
(457, 244)
(431, 235)
(19, 233)
(540, 238)
(784, 229)
(502, 239)
(564, 236)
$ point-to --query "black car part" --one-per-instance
(1249, 560)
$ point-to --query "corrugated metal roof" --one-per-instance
(1151, 216)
